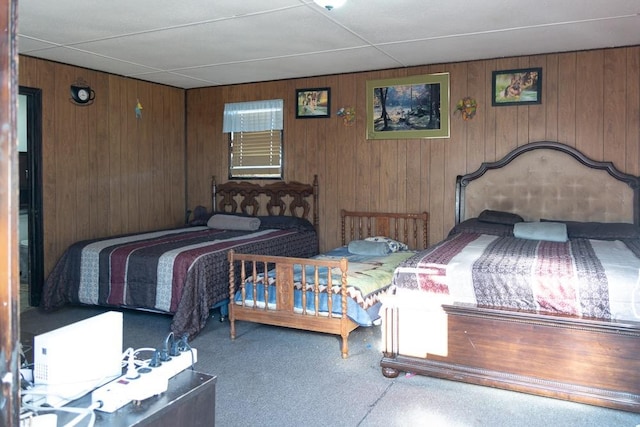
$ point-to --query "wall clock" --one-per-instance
(82, 95)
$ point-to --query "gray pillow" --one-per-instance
(474, 225)
(549, 231)
(499, 217)
(600, 230)
(366, 247)
(233, 222)
(283, 222)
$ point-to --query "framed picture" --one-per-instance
(313, 103)
(409, 107)
(517, 87)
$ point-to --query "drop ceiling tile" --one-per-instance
(76, 21)
(94, 62)
(247, 38)
(174, 79)
(27, 45)
(527, 41)
(353, 60)
(230, 41)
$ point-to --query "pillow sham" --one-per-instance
(600, 230)
(283, 222)
(474, 225)
(366, 247)
(499, 217)
(548, 231)
(233, 222)
(394, 245)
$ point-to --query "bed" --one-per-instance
(184, 271)
(505, 301)
(349, 279)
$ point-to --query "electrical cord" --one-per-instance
(31, 389)
(82, 412)
(38, 390)
(25, 362)
(172, 348)
(184, 346)
(24, 382)
(165, 352)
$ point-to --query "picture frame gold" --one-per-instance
(409, 107)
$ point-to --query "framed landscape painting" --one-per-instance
(516, 87)
(409, 107)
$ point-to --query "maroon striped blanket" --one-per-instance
(183, 271)
(582, 277)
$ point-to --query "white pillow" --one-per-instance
(367, 247)
(394, 245)
(549, 231)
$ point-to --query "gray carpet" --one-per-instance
(276, 376)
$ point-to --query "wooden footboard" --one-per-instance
(587, 361)
(282, 311)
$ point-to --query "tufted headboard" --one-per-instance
(553, 181)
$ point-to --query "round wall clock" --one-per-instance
(82, 94)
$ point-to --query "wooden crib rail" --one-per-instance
(283, 313)
(404, 227)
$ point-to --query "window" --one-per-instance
(255, 138)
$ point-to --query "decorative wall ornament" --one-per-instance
(348, 115)
(467, 108)
(138, 109)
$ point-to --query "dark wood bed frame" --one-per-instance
(577, 359)
(277, 198)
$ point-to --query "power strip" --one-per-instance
(150, 381)
(118, 393)
(176, 364)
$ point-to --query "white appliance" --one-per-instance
(73, 360)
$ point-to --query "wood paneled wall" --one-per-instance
(590, 100)
(105, 172)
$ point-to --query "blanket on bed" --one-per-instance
(368, 277)
(179, 271)
(580, 277)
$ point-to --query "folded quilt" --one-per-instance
(368, 278)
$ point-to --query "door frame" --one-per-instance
(34, 162)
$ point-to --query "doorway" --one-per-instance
(30, 185)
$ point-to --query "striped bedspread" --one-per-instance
(183, 271)
(582, 277)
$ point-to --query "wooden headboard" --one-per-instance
(277, 198)
(409, 228)
(550, 180)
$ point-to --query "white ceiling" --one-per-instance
(198, 43)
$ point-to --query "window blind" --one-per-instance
(255, 138)
(256, 154)
(253, 116)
